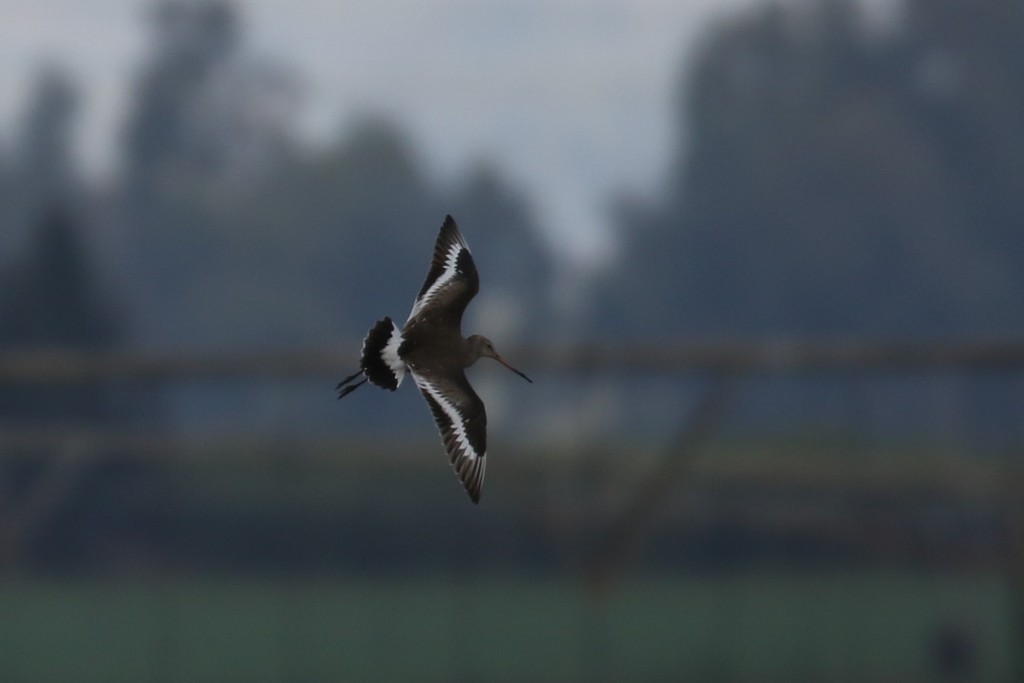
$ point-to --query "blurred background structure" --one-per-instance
(777, 430)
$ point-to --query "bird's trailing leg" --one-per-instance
(343, 390)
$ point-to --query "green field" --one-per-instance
(850, 627)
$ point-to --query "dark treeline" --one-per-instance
(218, 230)
(833, 177)
(837, 177)
(221, 229)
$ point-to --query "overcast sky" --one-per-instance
(570, 97)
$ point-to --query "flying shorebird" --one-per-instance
(431, 348)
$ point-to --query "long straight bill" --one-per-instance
(505, 363)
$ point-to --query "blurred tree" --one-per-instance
(967, 63)
(44, 154)
(833, 179)
(308, 242)
(350, 228)
(191, 40)
(7, 219)
(41, 170)
(237, 236)
(205, 127)
(233, 225)
(516, 297)
(53, 301)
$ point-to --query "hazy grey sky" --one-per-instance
(571, 97)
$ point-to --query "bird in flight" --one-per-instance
(431, 348)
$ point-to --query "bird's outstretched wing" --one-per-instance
(452, 280)
(462, 422)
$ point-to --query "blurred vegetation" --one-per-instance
(834, 177)
(222, 230)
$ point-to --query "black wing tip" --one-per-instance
(450, 226)
(473, 488)
(470, 473)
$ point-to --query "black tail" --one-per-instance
(381, 363)
(382, 369)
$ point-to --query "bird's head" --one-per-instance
(483, 348)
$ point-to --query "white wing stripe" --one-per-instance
(461, 438)
(450, 265)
